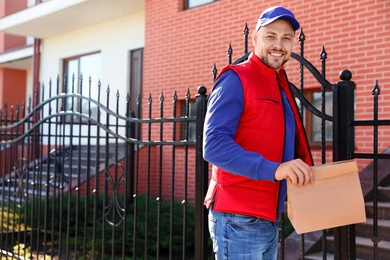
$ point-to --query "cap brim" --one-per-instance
(294, 23)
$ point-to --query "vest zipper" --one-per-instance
(284, 138)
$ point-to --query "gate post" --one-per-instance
(343, 148)
(201, 180)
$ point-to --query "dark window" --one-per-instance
(316, 121)
(136, 72)
(312, 122)
(136, 67)
(188, 129)
(194, 3)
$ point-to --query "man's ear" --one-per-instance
(254, 38)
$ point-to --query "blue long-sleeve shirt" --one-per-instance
(225, 105)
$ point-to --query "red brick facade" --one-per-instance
(16, 79)
(11, 77)
(6, 8)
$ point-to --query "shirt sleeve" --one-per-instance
(224, 108)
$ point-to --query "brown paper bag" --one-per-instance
(335, 199)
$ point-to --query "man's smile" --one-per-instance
(276, 54)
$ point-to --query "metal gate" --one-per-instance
(85, 178)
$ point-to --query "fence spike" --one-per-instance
(301, 39)
(43, 90)
(376, 91)
(29, 104)
(12, 112)
(161, 97)
(301, 36)
(17, 111)
(246, 33)
(35, 101)
(73, 78)
(23, 108)
(323, 54)
(323, 57)
(58, 84)
(230, 53)
(139, 99)
(214, 71)
(50, 88)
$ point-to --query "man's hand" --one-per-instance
(296, 170)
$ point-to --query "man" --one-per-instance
(255, 140)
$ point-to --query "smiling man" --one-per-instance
(273, 43)
(255, 140)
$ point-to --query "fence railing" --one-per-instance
(83, 183)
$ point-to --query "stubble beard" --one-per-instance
(273, 64)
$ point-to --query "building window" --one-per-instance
(195, 3)
(135, 88)
(312, 122)
(79, 71)
(136, 72)
(316, 122)
(188, 129)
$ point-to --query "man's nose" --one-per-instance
(278, 44)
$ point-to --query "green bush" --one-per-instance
(72, 226)
(80, 225)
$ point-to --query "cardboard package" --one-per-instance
(335, 199)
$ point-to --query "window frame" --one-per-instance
(75, 85)
(191, 125)
(188, 5)
(308, 117)
(136, 66)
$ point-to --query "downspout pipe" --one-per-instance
(36, 87)
(36, 65)
(36, 61)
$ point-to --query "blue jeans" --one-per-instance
(239, 237)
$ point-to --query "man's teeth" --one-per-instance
(276, 54)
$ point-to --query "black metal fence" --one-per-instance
(93, 182)
(85, 177)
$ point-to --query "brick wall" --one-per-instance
(15, 82)
(6, 8)
(13, 6)
(12, 82)
(182, 45)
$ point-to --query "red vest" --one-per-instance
(261, 129)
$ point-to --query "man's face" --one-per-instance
(273, 43)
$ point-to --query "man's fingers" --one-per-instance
(298, 172)
(299, 176)
(304, 173)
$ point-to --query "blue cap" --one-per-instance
(277, 13)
